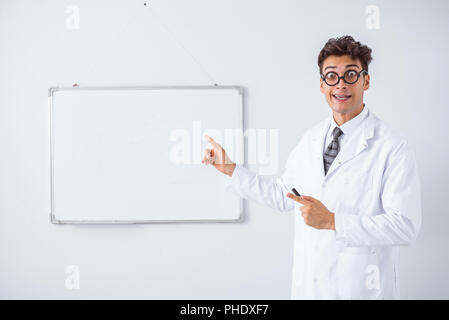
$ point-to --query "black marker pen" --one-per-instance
(296, 192)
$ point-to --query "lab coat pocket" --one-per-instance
(356, 189)
(358, 273)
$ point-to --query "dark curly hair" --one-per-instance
(342, 46)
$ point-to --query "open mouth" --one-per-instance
(341, 97)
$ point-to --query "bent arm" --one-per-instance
(269, 191)
(264, 190)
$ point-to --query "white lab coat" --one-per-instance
(372, 187)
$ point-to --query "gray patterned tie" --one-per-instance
(332, 150)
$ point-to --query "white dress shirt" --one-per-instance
(348, 128)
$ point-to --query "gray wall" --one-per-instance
(271, 48)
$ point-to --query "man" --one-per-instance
(359, 185)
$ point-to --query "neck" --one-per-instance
(341, 118)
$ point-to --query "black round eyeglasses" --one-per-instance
(350, 77)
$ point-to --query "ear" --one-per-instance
(366, 82)
(321, 85)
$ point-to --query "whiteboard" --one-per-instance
(133, 154)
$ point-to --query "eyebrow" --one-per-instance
(347, 66)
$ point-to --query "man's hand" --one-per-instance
(218, 158)
(314, 212)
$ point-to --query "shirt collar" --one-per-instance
(349, 126)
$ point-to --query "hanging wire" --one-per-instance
(169, 31)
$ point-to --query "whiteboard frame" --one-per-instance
(52, 90)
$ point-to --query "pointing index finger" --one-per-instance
(212, 141)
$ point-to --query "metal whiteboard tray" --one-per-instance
(76, 110)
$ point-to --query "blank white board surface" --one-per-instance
(133, 154)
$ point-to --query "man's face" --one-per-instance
(344, 98)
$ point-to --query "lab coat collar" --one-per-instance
(349, 126)
(350, 150)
